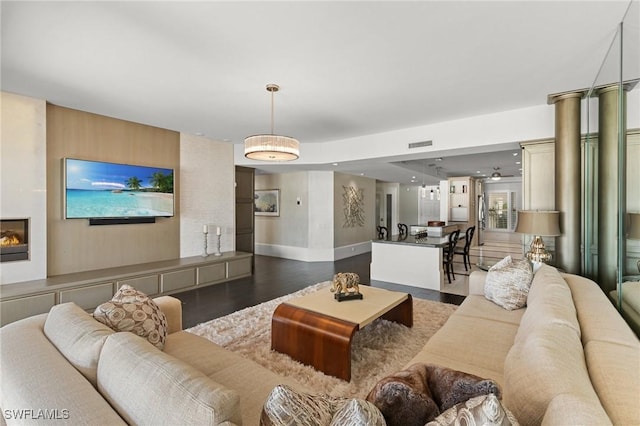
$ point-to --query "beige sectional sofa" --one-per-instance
(67, 368)
(568, 358)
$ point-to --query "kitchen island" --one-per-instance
(410, 261)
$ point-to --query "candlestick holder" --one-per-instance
(204, 249)
(217, 253)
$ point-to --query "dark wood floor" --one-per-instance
(275, 277)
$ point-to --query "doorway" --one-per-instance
(501, 211)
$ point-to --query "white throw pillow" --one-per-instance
(508, 283)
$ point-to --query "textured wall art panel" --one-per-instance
(353, 200)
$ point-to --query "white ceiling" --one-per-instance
(346, 68)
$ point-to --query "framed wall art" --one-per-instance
(266, 202)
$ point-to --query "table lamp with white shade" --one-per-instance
(540, 224)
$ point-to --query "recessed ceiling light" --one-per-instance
(478, 171)
(361, 174)
(199, 134)
(335, 164)
(517, 162)
(515, 154)
(413, 177)
(439, 159)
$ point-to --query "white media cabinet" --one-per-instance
(90, 289)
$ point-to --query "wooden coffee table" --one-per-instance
(317, 330)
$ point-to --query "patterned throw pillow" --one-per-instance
(508, 283)
(481, 410)
(131, 310)
(287, 407)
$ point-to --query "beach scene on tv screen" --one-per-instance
(107, 190)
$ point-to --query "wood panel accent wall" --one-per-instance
(73, 245)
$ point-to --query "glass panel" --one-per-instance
(630, 235)
(620, 67)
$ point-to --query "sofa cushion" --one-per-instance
(254, 382)
(286, 407)
(615, 373)
(550, 361)
(599, 319)
(36, 376)
(131, 310)
(480, 410)
(508, 283)
(478, 342)
(480, 307)
(147, 386)
(550, 302)
(77, 336)
(572, 409)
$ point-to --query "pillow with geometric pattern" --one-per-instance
(287, 407)
(507, 283)
(481, 410)
(132, 310)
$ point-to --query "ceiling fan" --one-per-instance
(496, 175)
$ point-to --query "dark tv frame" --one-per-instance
(113, 220)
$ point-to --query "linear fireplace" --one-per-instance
(14, 239)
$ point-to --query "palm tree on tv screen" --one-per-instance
(162, 182)
(134, 183)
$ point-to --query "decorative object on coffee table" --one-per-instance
(345, 286)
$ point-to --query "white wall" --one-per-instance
(312, 231)
(287, 235)
(409, 200)
(207, 194)
(24, 184)
(321, 238)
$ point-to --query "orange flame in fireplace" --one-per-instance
(9, 240)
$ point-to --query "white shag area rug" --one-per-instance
(378, 350)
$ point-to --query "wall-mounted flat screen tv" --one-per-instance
(95, 189)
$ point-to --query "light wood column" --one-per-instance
(567, 181)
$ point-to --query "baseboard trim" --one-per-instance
(306, 254)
